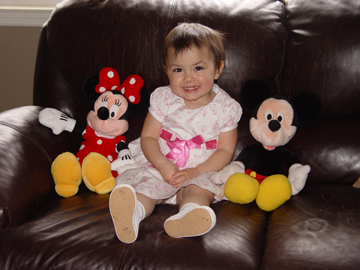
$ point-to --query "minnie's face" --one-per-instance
(272, 126)
(108, 108)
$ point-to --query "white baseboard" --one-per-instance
(24, 16)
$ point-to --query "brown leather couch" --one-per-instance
(294, 45)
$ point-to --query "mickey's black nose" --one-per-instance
(103, 113)
(274, 125)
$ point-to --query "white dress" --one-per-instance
(188, 138)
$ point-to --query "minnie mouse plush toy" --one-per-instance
(256, 172)
(103, 135)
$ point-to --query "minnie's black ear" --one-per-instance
(253, 93)
(308, 107)
(88, 88)
(144, 104)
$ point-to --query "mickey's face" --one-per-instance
(272, 126)
(105, 118)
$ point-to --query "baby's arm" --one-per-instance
(151, 149)
(216, 162)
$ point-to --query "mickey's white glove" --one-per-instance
(56, 120)
(124, 162)
(297, 177)
(234, 167)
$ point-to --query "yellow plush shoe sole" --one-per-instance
(96, 173)
(274, 191)
(241, 188)
(66, 172)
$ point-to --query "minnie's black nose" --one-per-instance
(103, 113)
(274, 125)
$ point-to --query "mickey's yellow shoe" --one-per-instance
(96, 173)
(273, 192)
(66, 173)
(241, 188)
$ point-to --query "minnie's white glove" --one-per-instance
(124, 162)
(234, 167)
(297, 177)
(56, 120)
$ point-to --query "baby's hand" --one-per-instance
(184, 175)
(167, 171)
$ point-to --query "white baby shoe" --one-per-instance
(126, 213)
(192, 220)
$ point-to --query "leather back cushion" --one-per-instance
(301, 46)
(83, 36)
(323, 53)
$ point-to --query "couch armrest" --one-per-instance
(27, 150)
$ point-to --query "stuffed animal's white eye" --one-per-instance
(269, 115)
(280, 116)
(103, 104)
(113, 111)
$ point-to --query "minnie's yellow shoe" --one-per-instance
(66, 173)
(241, 188)
(273, 192)
(96, 173)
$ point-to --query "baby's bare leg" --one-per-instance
(148, 203)
(194, 194)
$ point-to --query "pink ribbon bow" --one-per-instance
(179, 149)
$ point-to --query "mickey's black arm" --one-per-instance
(290, 157)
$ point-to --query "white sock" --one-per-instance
(140, 211)
(189, 206)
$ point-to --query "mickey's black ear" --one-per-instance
(308, 107)
(88, 88)
(144, 104)
(253, 93)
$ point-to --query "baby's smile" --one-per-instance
(191, 88)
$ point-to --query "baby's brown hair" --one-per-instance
(186, 35)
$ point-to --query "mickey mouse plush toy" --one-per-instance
(256, 172)
(104, 141)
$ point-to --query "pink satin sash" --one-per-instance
(179, 149)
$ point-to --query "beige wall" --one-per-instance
(18, 46)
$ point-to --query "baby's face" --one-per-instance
(191, 74)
